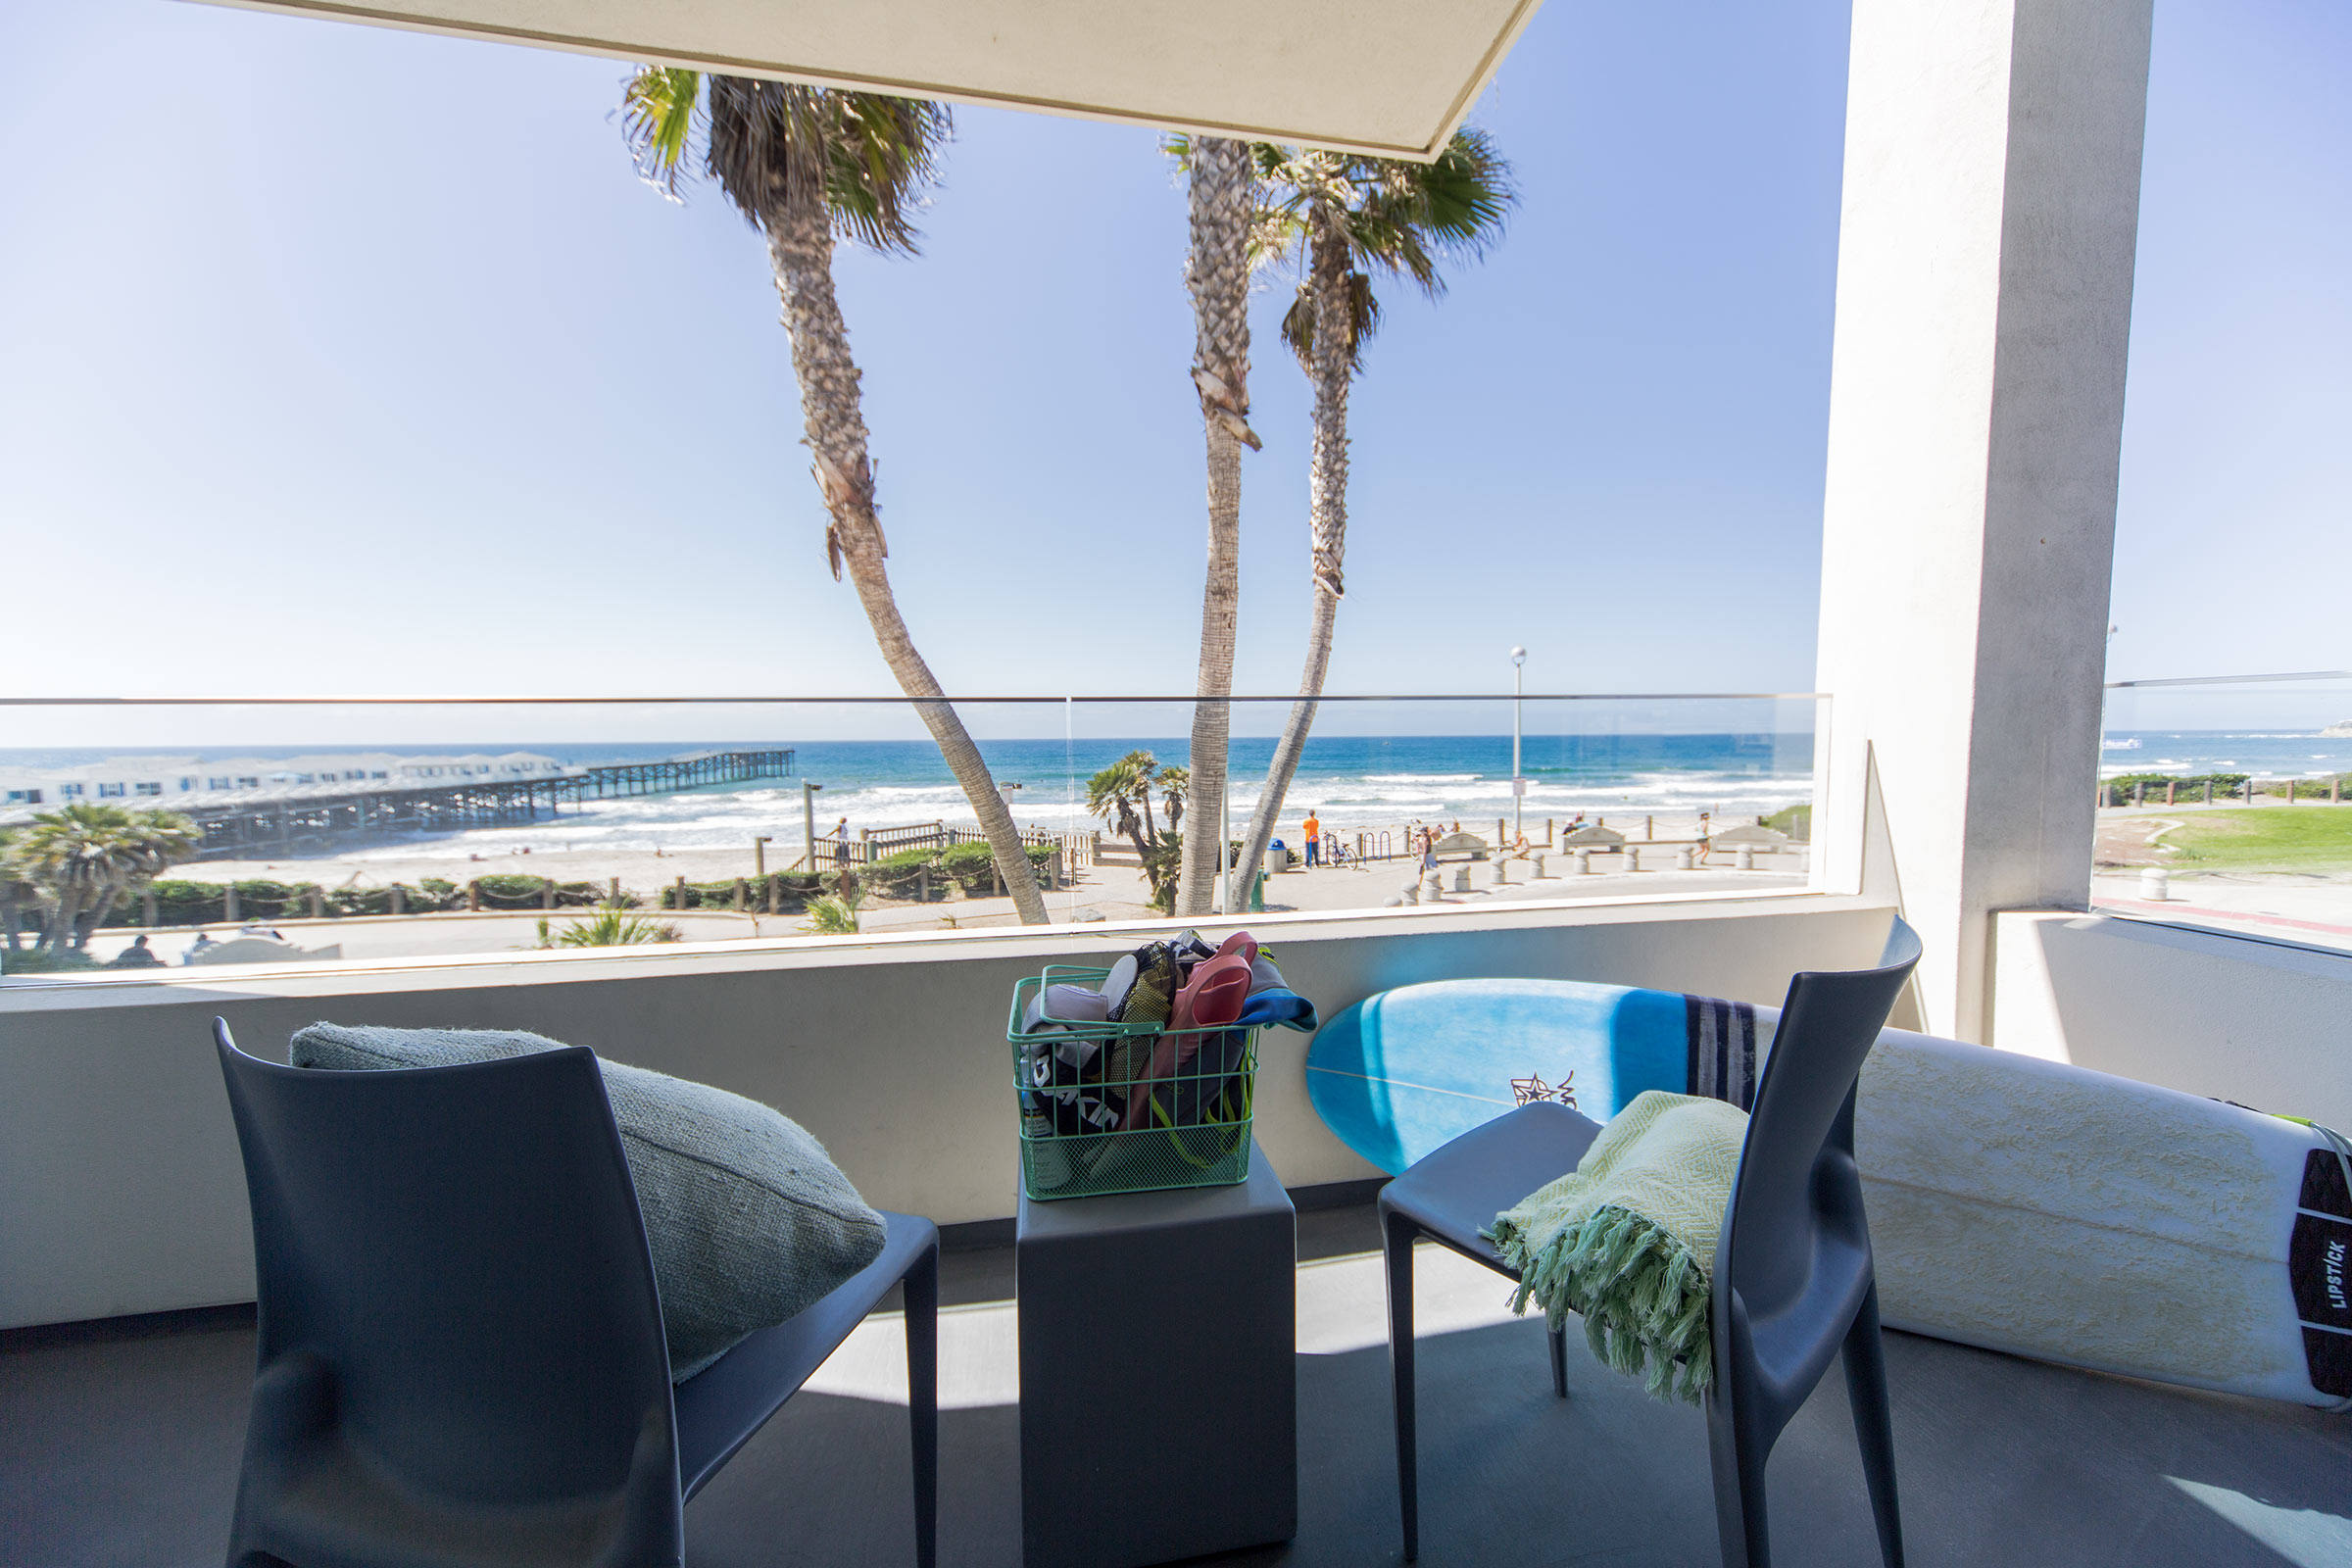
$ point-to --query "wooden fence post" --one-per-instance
(612, 890)
(547, 893)
(775, 897)
(398, 900)
(743, 895)
(679, 894)
(473, 896)
(318, 903)
(2171, 786)
(2208, 792)
(147, 910)
(228, 901)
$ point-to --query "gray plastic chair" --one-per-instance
(1793, 1280)
(460, 1353)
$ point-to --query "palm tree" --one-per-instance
(14, 893)
(1217, 274)
(81, 858)
(1175, 783)
(806, 166)
(1121, 796)
(1345, 218)
(1114, 792)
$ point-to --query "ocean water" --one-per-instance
(1372, 783)
(1366, 782)
(2264, 753)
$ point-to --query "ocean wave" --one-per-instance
(1372, 802)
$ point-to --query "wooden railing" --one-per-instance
(877, 843)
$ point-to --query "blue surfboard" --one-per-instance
(2205, 1247)
(1403, 1072)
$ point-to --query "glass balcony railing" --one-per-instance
(2227, 803)
(326, 831)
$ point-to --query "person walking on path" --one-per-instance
(1314, 835)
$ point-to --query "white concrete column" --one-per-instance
(1990, 213)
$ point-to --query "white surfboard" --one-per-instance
(2054, 1212)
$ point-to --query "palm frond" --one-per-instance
(885, 156)
(866, 157)
(1415, 216)
(657, 110)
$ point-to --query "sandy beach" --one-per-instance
(643, 872)
(1100, 893)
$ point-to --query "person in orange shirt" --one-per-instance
(1314, 839)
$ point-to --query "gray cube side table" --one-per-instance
(1159, 1392)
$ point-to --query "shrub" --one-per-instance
(2223, 783)
(178, 903)
(611, 926)
(1795, 820)
(28, 962)
(832, 915)
(792, 887)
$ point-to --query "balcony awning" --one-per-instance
(1393, 78)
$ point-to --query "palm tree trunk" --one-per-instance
(1219, 278)
(1327, 520)
(58, 935)
(800, 248)
(100, 906)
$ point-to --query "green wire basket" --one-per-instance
(1114, 1108)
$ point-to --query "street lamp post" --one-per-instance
(1518, 695)
(759, 844)
(808, 821)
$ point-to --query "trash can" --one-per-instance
(1278, 858)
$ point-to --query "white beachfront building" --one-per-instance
(1986, 270)
(199, 779)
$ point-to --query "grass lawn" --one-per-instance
(2278, 838)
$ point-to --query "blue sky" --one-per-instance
(350, 359)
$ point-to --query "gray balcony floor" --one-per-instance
(122, 1450)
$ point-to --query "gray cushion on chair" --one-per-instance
(747, 1219)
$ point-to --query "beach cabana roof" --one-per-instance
(1763, 838)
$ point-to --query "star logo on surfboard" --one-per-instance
(1532, 1088)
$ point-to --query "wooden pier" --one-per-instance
(312, 820)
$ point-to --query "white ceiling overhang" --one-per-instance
(1390, 78)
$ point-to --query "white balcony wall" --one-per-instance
(2206, 1013)
(121, 1189)
(1985, 268)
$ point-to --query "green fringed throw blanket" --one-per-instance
(1627, 1238)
